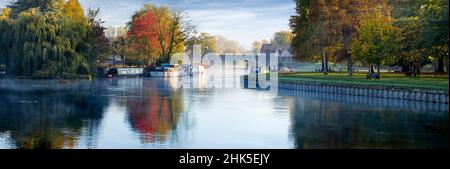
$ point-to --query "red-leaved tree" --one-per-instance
(143, 37)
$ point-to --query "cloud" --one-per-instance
(244, 24)
(244, 21)
(3, 3)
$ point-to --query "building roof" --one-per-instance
(270, 48)
(267, 48)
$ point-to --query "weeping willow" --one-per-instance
(44, 43)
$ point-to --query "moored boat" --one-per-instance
(166, 70)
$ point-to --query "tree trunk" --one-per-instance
(371, 69)
(440, 65)
(347, 32)
(448, 66)
(324, 62)
(148, 57)
(378, 68)
(114, 60)
(350, 66)
(124, 61)
(162, 45)
(172, 39)
(406, 69)
(323, 65)
(416, 69)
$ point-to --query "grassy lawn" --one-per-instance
(390, 80)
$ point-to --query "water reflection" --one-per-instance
(148, 113)
(53, 117)
(339, 121)
(153, 109)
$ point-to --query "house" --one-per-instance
(284, 54)
(115, 60)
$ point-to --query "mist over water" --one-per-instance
(149, 113)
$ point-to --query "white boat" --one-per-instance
(166, 70)
(165, 74)
(130, 71)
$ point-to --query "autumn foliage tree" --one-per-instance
(348, 15)
(157, 32)
(144, 44)
(324, 27)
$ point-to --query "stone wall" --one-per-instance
(403, 94)
(414, 106)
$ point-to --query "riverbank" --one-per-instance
(433, 82)
(426, 88)
(434, 96)
(64, 76)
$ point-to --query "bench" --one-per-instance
(375, 76)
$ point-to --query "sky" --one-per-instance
(244, 21)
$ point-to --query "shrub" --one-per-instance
(40, 75)
(83, 69)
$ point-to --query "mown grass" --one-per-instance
(388, 80)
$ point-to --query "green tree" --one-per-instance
(321, 27)
(405, 8)
(256, 47)
(433, 15)
(49, 38)
(411, 53)
(119, 48)
(377, 41)
(205, 40)
(303, 31)
(314, 29)
(97, 44)
(347, 14)
(19, 6)
(282, 39)
(5, 26)
(224, 45)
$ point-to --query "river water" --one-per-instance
(149, 113)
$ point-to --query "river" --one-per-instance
(146, 113)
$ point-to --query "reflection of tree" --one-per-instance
(49, 118)
(156, 114)
(326, 124)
